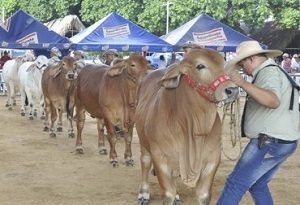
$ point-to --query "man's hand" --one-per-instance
(237, 78)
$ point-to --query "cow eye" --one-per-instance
(200, 66)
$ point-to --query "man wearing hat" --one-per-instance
(109, 56)
(269, 122)
(55, 55)
(188, 46)
(79, 58)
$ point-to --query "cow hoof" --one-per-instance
(42, 117)
(71, 135)
(35, 114)
(79, 150)
(14, 104)
(114, 163)
(23, 114)
(59, 129)
(129, 163)
(177, 202)
(31, 118)
(143, 201)
(10, 108)
(6, 105)
(46, 129)
(103, 151)
(52, 135)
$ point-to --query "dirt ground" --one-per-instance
(38, 170)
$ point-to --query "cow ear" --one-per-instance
(55, 71)
(79, 64)
(116, 69)
(172, 77)
(31, 67)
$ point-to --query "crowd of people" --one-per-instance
(291, 64)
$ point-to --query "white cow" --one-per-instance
(30, 76)
(10, 76)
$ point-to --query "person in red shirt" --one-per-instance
(4, 58)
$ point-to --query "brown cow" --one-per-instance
(109, 94)
(178, 124)
(58, 80)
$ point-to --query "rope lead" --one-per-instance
(233, 111)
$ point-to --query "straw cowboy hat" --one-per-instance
(55, 51)
(79, 53)
(110, 51)
(250, 48)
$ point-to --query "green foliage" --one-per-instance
(43, 10)
(94, 10)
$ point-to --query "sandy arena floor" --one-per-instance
(39, 170)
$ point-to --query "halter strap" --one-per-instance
(208, 92)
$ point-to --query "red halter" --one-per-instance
(208, 92)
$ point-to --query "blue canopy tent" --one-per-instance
(3, 31)
(208, 32)
(116, 32)
(25, 32)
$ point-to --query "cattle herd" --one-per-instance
(174, 111)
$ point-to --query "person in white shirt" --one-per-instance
(295, 64)
(162, 62)
(55, 55)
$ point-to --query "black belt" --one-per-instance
(262, 138)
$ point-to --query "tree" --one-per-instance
(151, 14)
(43, 10)
(9, 7)
(94, 10)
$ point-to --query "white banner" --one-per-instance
(116, 31)
(216, 35)
(30, 38)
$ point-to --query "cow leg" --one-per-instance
(35, 107)
(128, 139)
(212, 158)
(23, 96)
(53, 112)
(30, 103)
(146, 163)
(71, 133)
(165, 179)
(8, 95)
(203, 189)
(42, 104)
(80, 119)
(11, 95)
(101, 143)
(59, 123)
(47, 109)
(47, 112)
(112, 139)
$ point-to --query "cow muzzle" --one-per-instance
(232, 94)
(71, 75)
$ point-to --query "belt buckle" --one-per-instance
(262, 138)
